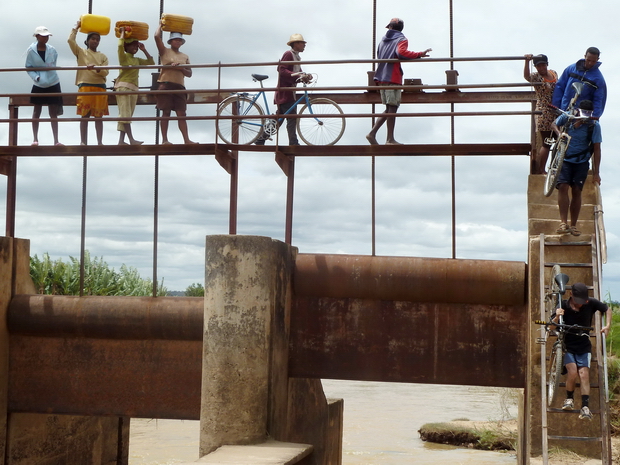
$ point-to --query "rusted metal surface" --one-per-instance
(410, 279)
(168, 318)
(85, 376)
(301, 150)
(414, 342)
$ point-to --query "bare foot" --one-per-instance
(191, 142)
(122, 142)
(59, 144)
(393, 142)
(136, 142)
(372, 140)
(166, 142)
(35, 143)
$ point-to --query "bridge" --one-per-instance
(248, 358)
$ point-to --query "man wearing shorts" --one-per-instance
(394, 45)
(172, 79)
(585, 143)
(578, 310)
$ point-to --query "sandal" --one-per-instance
(574, 231)
(563, 229)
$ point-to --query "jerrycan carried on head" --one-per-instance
(177, 23)
(95, 23)
(133, 30)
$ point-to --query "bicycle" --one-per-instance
(240, 118)
(559, 145)
(553, 298)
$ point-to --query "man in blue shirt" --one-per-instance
(585, 144)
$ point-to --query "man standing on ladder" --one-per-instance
(578, 310)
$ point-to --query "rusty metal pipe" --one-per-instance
(140, 318)
(411, 279)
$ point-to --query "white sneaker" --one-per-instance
(585, 414)
(569, 404)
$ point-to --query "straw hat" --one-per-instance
(296, 38)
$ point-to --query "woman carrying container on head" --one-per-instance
(42, 55)
(127, 81)
(172, 79)
(90, 79)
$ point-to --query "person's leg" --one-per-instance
(291, 127)
(391, 123)
(372, 135)
(541, 161)
(36, 114)
(575, 205)
(563, 205)
(99, 129)
(53, 110)
(84, 129)
(164, 126)
(584, 377)
(183, 127)
(571, 382)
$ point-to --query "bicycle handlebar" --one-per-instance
(563, 326)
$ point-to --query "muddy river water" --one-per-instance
(381, 425)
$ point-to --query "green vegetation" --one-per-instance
(613, 367)
(63, 278)
(195, 290)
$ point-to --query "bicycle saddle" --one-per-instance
(259, 77)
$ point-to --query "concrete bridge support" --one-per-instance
(247, 396)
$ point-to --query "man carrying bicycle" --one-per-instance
(578, 310)
(585, 143)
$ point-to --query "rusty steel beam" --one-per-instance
(167, 318)
(301, 150)
(489, 282)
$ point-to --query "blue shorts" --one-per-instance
(582, 360)
(574, 174)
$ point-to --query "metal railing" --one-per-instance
(355, 95)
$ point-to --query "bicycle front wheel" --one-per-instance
(321, 130)
(557, 159)
(555, 371)
(239, 130)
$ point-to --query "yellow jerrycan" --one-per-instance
(177, 23)
(133, 30)
(95, 23)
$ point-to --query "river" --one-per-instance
(381, 423)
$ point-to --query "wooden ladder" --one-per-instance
(581, 269)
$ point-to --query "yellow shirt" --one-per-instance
(169, 74)
(85, 57)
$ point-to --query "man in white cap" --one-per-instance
(288, 76)
(172, 79)
(40, 54)
(394, 45)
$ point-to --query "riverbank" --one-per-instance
(499, 436)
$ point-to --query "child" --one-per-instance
(90, 80)
(41, 55)
(127, 81)
(172, 79)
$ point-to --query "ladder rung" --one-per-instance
(573, 265)
(569, 243)
(559, 410)
(574, 438)
(593, 385)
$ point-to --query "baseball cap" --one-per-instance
(580, 293)
(42, 31)
(537, 59)
(396, 23)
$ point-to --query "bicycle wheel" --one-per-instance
(555, 371)
(557, 159)
(321, 131)
(239, 130)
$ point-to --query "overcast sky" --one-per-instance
(332, 195)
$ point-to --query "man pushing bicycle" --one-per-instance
(578, 310)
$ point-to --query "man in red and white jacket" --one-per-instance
(394, 45)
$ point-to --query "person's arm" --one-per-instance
(596, 163)
(187, 72)
(608, 317)
(34, 75)
(403, 52)
(104, 62)
(75, 48)
(526, 69)
(161, 48)
(558, 91)
(599, 99)
(149, 59)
